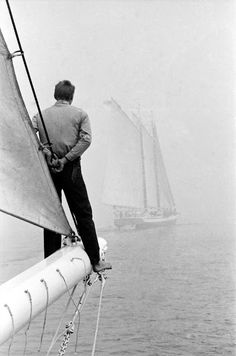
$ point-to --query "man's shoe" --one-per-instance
(101, 266)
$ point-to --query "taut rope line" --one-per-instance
(102, 278)
(21, 52)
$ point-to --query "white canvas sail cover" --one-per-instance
(123, 183)
(26, 188)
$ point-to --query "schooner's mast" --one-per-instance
(143, 170)
(143, 167)
(154, 138)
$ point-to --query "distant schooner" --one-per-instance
(136, 182)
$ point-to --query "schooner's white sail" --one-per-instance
(166, 199)
(26, 190)
(136, 183)
(120, 187)
(149, 168)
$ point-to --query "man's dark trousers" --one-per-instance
(70, 180)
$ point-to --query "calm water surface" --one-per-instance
(172, 291)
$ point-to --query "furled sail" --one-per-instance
(26, 188)
(123, 185)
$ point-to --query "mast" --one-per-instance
(156, 164)
(143, 168)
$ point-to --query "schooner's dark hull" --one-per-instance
(145, 222)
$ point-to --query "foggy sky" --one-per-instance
(172, 58)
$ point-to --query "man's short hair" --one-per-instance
(64, 90)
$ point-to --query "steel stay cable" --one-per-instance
(21, 52)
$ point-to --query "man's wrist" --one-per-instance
(65, 160)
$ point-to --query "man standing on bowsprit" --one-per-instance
(69, 129)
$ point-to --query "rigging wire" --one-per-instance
(21, 52)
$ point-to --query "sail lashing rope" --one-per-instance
(30, 319)
(45, 314)
(13, 327)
